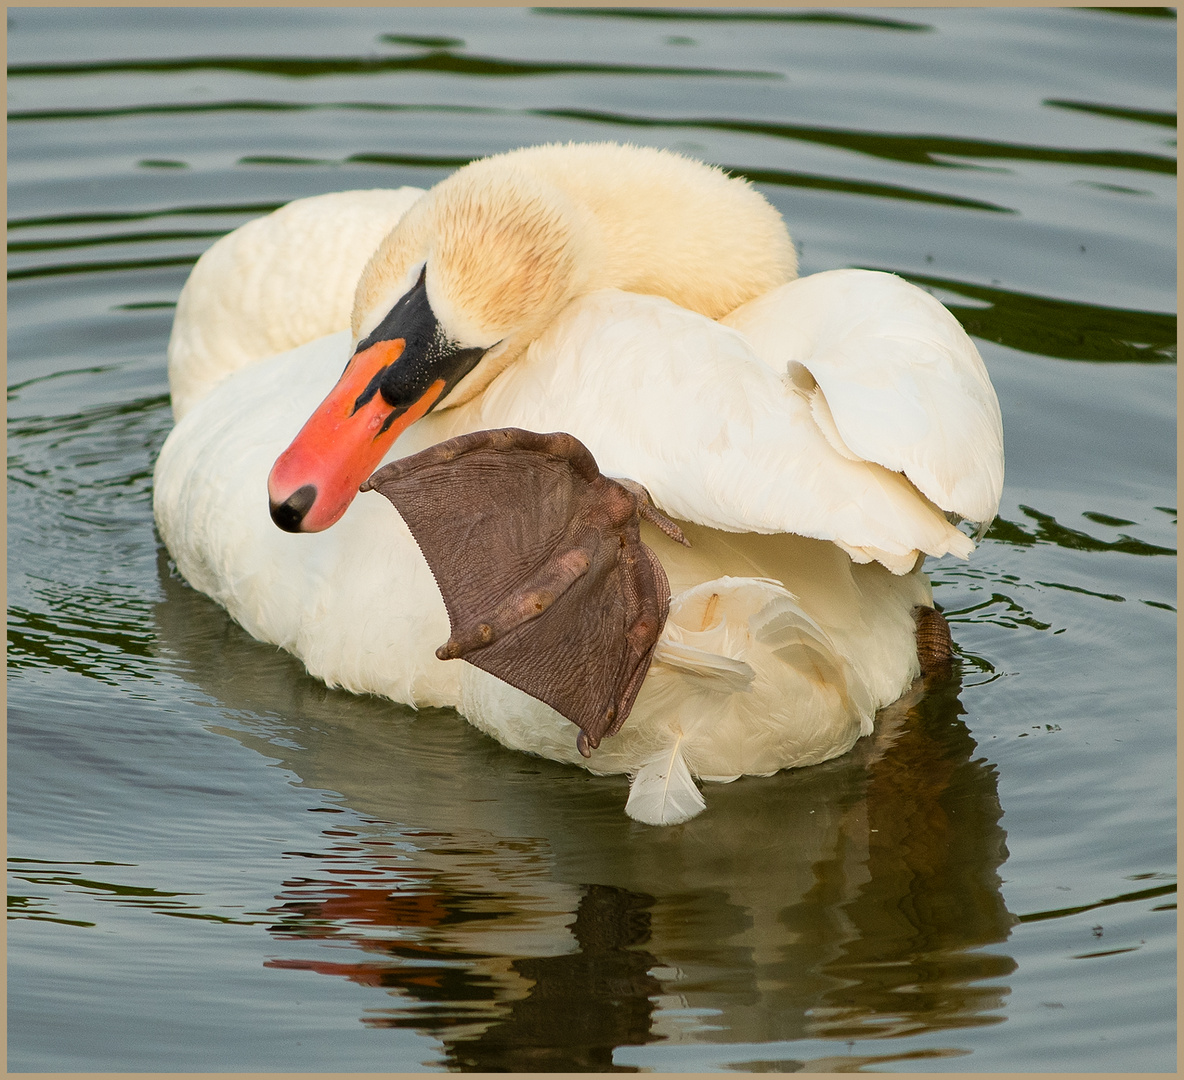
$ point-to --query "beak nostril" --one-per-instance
(289, 515)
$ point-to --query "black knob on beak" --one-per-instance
(289, 514)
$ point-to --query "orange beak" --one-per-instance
(313, 482)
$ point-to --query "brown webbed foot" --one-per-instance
(539, 560)
(935, 647)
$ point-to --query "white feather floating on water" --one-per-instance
(662, 791)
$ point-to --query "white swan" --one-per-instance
(815, 438)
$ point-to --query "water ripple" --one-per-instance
(65, 883)
(1142, 116)
(910, 149)
(439, 62)
(1065, 329)
(1049, 531)
(100, 218)
(784, 178)
(1125, 898)
(106, 267)
(245, 105)
(830, 18)
(113, 238)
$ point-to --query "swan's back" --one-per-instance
(275, 283)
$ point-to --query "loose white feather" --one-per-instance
(662, 791)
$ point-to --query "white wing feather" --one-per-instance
(662, 792)
(684, 406)
(901, 382)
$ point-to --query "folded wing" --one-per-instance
(891, 377)
(690, 409)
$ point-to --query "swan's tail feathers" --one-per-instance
(662, 791)
(721, 673)
(798, 641)
(783, 621)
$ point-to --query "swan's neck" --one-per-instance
(670, 226)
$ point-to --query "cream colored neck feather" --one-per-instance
(510, 240)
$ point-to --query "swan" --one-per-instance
(809, 442)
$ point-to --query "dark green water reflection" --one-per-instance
(1047, 327)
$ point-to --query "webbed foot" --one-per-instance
(539, 560)
(935, 647)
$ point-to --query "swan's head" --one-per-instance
(480, 265)
(472, 273)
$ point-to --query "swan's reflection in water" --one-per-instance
(509, 907)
